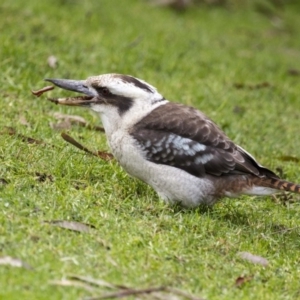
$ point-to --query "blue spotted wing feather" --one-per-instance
(183, 137)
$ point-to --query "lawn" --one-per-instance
(238, 63)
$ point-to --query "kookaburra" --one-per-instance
(174, 148)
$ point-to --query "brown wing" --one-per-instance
(183, 137)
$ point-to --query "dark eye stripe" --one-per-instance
(121, 102)
(102, 90)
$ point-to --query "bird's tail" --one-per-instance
(277, 184)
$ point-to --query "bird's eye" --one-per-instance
(105, 91)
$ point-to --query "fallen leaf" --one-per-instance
(14, 262)
(3, 181)
(293, 72)
(72, 225)
(239, 85)
(105, 155)
(261, 85)
(239, 109)
(52, 61)
(289, 158)
(264, 84)
(241, 280)
(34, 238)
(42, 177)
(40, 92)
(78, 185)
(255, 259)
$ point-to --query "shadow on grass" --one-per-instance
(233, 217)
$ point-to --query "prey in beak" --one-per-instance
(79, 86)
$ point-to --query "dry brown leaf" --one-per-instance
(289, 158)
(14, 262)
(241, 280)
(255, 259)
(105, 155)
(260, 85)
(239, 110)
(52, 61)
(71, 225)
(43, 90)
(3, 182)
(42, 177)
(293, 72)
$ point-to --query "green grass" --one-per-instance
(195, 57)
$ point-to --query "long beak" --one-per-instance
(78, 86)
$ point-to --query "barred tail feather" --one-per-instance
(278, 184)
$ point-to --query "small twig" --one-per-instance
(104, 155)
(125, 293)
(71, 225)
(29, 140)
(98, 282)
(70, 140)
(40, 92)
(72, 283)
(132, 292)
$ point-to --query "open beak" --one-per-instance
(78, 86)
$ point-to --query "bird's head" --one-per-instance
(109, 93)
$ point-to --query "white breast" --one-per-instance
(172, 184)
